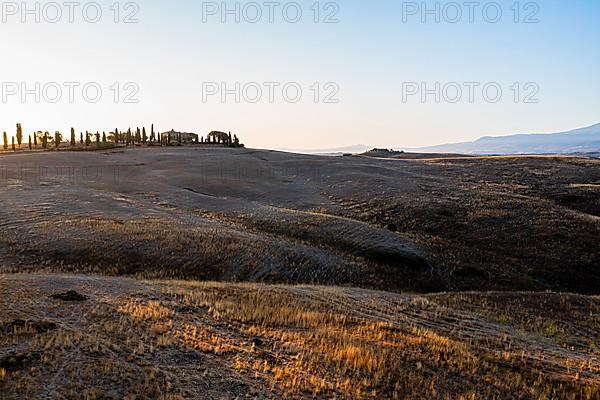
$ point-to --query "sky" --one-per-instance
(303, 75)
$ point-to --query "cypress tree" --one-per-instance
(103, 137)
(30, 145)
(80, 137)
(72, 137)
(57, 139)
(45, 141)
(144, 136)
(5, 141)
(87, 138)
(97, 138)
(35, 139)
(19, 135)
(152, 136)
(13, 143)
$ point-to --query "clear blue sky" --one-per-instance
(370, 54)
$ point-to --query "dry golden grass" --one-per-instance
(332, 349)
(182, 340)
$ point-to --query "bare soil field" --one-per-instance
(419, 225)
(75, 337)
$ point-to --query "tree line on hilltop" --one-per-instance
(115, 138)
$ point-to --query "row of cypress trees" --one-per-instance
(138, 137)
(46, 140)
(127, 138)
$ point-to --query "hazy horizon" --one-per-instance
(367, 61)
(401, 147)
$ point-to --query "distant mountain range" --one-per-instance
(583, 140)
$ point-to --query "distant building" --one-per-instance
(222, 138)
(384, 151)
(176, 137)
(218, 137)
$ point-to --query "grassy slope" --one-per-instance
(170, 340)
(498, 223)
